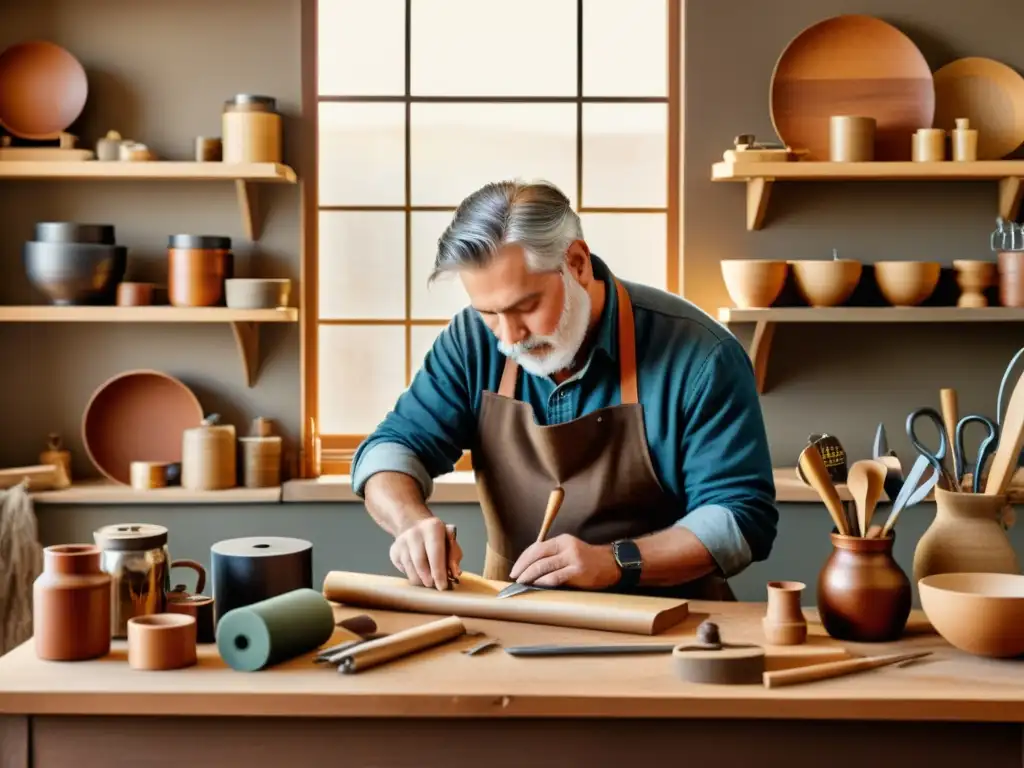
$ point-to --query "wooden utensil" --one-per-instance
(816, 474)
(866, 480)
(893, 476)
(990, 95)
(832, 669)
(851, 65)
(1011, 439)
(950, 416)
(554, 504)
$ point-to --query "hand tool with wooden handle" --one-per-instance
(814, 469)
(832, 669)
(866, 480)
(950, 416)
(1011, 439)
(588, 650)
(554, 504)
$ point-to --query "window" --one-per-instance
(420, 102)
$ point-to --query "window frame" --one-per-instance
(332, 454)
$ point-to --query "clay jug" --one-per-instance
(863, 594)
(71, 604)
(966, 536)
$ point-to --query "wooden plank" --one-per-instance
(981, 170)
(872, 315)
(152, 171)
(105, 492)
(15, 742)
(158, 314)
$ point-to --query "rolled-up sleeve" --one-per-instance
(727, 467)
(431, 423)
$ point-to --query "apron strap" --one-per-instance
(627, 354)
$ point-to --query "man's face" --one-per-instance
(539, 318)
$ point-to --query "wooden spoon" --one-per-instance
(866, 479)
(554, 504)
(1011, 439)
(814, 469)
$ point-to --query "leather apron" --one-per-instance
(601, 460)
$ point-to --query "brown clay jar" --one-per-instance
(1011, 278)
(197, 266)
(863, 594)
(71, 604)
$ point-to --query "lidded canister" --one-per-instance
(261, 456)
(251, 130)
(197, 266)
(208, 456)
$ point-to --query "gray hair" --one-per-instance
(535, 215)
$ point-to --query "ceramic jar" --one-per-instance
(71, 604)
(197, 266)
(784, 622)
(251, 130)
(966, 536)
(1011, 278)
(863, 594)
(209, 456)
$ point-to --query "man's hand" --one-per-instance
(565, 561)
(424, 551)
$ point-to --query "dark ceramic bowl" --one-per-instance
(71, 232)
(76, 273)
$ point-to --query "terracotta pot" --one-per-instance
(784, 622)
(1011, 278)
(863, 594)
(162, 641)
(966, 536)
(71, 604)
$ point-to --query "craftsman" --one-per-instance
(641, 407)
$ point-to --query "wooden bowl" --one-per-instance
(43, 89)
(979, 613)
(137, 416)
(826, 282)
(754, 282)
(907, 283)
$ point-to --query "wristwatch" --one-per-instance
(627, 555)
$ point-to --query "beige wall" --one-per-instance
(158, 73)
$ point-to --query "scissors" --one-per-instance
(937, 458)
(985, 449)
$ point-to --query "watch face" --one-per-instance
(628, 554)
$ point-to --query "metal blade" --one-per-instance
(881, 442)
(517, 589)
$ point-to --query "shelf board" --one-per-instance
(765, 321)
(245, 323)
(105, 492)
(760, 177)
(245, 176)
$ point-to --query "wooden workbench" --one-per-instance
(445, 708)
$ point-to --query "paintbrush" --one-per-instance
(554, 504)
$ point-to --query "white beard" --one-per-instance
(564, 343)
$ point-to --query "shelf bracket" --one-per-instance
(1011, 191)
(758, 192)
(247, 337)
(248, 206)
(760, 349)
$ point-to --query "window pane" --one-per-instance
(633, 245)
(362, 373)
(423, 337)
(457, 148)
(625, 155)
(361, 47)
(361, 259)
(362, 154)
(445, 297)
(625, 48)
(476, 48)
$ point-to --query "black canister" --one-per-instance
(256, 568)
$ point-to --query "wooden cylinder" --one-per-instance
(251, 130)
(1011, 278)
(965, 141)
(851, 139)
(929, 145)
(147, 475)
(208, 149)
(135, 294)
(208, 460)
(197, 266)
(261, 461)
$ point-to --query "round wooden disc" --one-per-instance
(852, 65)
(728, 666)
(990, 95)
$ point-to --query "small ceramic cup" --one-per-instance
(162, 641)
(784, 622)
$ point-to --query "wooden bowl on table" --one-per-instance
(826, 282)
(754, 283)
(979, 613)
(907, 283)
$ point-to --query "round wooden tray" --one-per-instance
(851, 65)
(990, 95)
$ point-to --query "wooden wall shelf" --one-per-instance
(765, 321)
(245, 175)
(245, 323)
(105, 492)
(760, 177)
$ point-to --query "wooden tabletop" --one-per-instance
(443, 682)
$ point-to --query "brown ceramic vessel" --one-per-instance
(784, 622)
(974, 278)
(826, 282)
(71, 604)
(907, 283)
(863, 594)
(1011, 278)
(162, 641)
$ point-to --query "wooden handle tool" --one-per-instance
(950, 416)
(832, 669)
(1011, 439)
(814, 469)
(866, 479)
(554, 504)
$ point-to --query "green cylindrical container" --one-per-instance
(274, 630)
